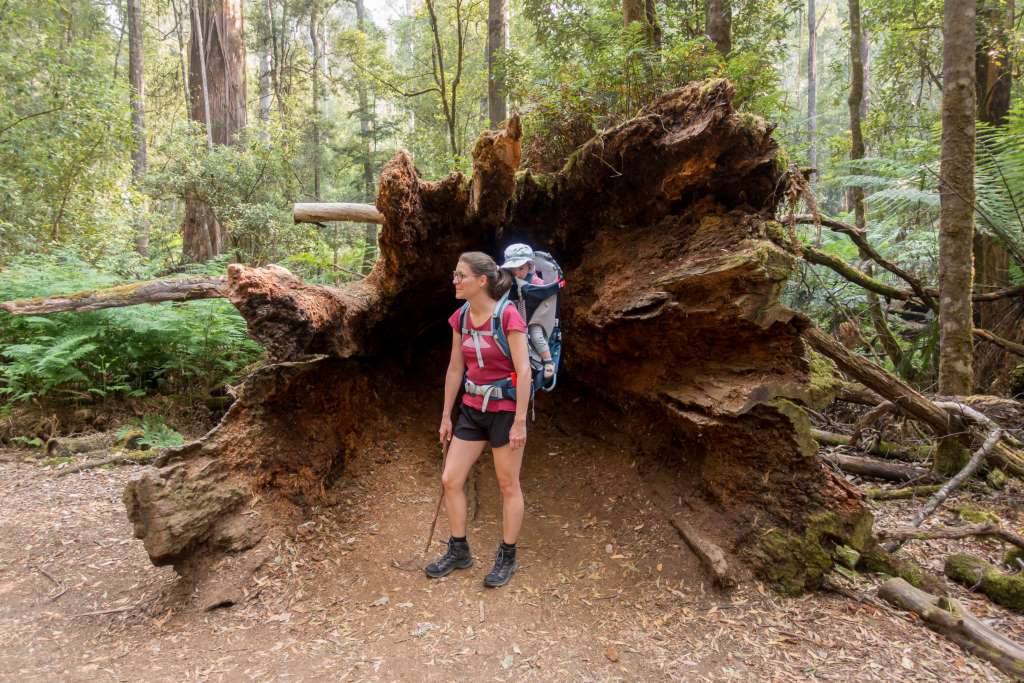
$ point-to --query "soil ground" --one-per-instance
(606, 591)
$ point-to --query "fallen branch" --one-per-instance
(884, 449)
(335, 211)
(906, 399)
(858, 237)
(942, 494)
(132, 294)
(983, 529)
(1005, 344)
(112, 460)
(711, 556)
(878, 469)
(951, 619)
(844, 269)
(881, 382)
(61, 587)
(902, 493)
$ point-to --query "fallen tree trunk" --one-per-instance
(665, 228)
(983, 529)
(951, 619)
(879, 469)
(146, 292)
(978, 575)
(902, 493)
(906, 399)
(325, 212)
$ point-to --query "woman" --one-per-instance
(483, 417)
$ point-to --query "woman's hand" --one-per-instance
(517, 435)
(445, 431)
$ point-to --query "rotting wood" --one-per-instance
(878, 469)
(963, 475)
(710, 555)
(884, 449)
(902, 493)
(976, 574)
(906, 399)
(120, 459)
(145, 292)
(325, 212)
(993, 529)
(951, 619)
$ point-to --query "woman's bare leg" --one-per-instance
(507, 464)
(461, 456)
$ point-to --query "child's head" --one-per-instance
(518, 260)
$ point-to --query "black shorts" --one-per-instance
(475, 425)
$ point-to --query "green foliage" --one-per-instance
(120, 351)
(155, 433)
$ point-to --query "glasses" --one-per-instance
(458, 277)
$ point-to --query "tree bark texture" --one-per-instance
(217, 100)
(365, 119)
(812, 84)
(138, 95)
(718, 24)
(956, 195)
(665, 228)
(496, 108)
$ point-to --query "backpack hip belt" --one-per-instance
(497, 391)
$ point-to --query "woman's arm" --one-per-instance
(452, 383)
(521, 361)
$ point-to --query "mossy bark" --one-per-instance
(978, 575)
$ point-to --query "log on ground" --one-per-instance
(951, 619)
(978, 575)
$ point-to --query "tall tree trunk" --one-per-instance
(496, 108)
(993, 81)
(855, 105)
(369, 190)
(956, 193)
(644, 12)
(135, 77)
(217, 99)
(812, 84)
(718, 24)
(266, 95)
(314, 39)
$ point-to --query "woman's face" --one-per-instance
(466, 283)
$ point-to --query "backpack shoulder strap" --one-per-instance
(462, 318)
(497, 329)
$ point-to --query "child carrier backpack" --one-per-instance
(538, 305)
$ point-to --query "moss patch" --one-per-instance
(950, 457)
(977, 574)
(876, 559)
(794, 563)
(972, 514)
(1014, 559)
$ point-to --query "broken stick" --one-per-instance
(949, 618)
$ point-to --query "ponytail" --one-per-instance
(498, 281)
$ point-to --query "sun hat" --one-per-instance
(517, 255)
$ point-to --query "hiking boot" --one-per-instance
(504, 565)
(456, 557)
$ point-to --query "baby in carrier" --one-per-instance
(519, 262)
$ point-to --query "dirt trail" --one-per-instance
(606, 591)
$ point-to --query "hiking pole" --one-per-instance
(437, 512)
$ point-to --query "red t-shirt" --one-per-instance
(496, 365)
